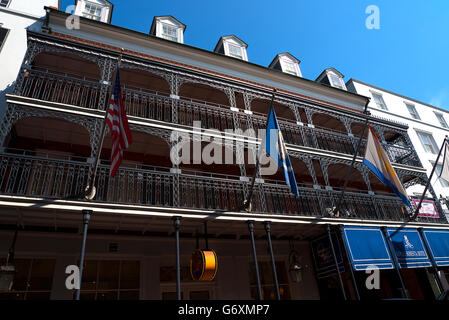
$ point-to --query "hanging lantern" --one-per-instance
(203, 265)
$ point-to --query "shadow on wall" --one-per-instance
(8, 90)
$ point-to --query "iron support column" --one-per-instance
(273, 263)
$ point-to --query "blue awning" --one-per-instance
(409, 248)
(438, 242)
(367, 247)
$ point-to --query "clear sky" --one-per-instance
(409, 54)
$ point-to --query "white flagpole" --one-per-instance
(415, 215)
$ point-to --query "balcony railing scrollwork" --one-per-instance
(44, 176)
(158, 106)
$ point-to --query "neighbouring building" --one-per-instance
(50, 136)
(427, 128)
(16, 17)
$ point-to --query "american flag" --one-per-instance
(118, 125)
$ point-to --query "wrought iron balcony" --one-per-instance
(23, 173)
(159, 106)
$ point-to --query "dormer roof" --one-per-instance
(226, 44)
(332, 77)
(285, 62)
(173, 19)
(107, 5)
(169, 28)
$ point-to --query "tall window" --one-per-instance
(110, 280)
(235, 51)
(4, 3)
(290, 68)
(412, 110)
(379, 101)
(443, 182)
(32, 281)
(428, 142)
(3, 35)
(335, 81)
(92, 11)
(442, 120)
(169, 32)
(266, 280)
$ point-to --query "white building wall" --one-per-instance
(17, 17)
(397, 111)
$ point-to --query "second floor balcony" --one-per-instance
(69, 89)
(51, 176)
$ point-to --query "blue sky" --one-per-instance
(408, 54)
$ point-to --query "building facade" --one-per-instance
(176, 93)
(427, 128)
(16, 17)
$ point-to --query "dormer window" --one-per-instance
(4, 3)
(98, 10)
(169, 32)
(333, 78)
(235, 51)
(168, 28)
(233, 47)
(287, 63)
(289, 68)
(336, 81)
(92, 11)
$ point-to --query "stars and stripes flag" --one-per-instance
(118, 125)
(377, 161)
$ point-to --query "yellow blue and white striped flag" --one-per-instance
(377, 161)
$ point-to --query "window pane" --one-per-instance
(442, 120)
(290, 68)
(335, 80)
(3, 33)
(4, 3)
(379, 101)
(89, 280)
(108, 274)
(130, 275)
(42, 275)
(169, 32)
(235, 51)
(427, 142)
(22, 271)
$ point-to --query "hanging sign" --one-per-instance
(428, 209)
(324, 260)
(203, 265)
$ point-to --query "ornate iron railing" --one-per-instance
(157, 106)
(26, 174)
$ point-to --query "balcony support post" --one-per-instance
(86, 218)
(176, 223)
(256, 263)
(273, 262)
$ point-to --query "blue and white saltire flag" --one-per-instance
(377, 161)
(274, 146)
